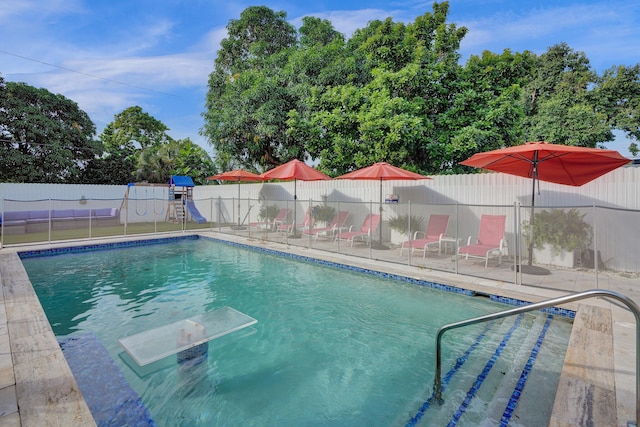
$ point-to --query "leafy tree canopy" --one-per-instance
(397, 92)
(131, 130)
(157, 163)
(44, 137)
(138, 148)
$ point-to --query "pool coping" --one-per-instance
(43, 385)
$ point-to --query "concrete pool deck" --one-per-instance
(37, 387)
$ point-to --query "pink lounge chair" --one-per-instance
(436, 229)
(490, 239)
(307, 223)
(366, 230)
(279, 219)
(334, 226)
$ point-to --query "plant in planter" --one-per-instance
(400, 223)
(268, 212)
(323, 213)
(563, 231)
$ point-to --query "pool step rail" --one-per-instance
(571, 392)
(488, 376)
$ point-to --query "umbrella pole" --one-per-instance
(238, 226)
(533, 200)
(530, 268)
(380, 227)
(238, 202)
(294, 233)
(379, 245)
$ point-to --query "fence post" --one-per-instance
(50, 224)
(409, 236)
(370, 230)
(90, 212)
(596, 258)
(2, 226)
(517, 256)
(337, 233)
(455, 255)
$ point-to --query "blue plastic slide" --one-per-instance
(197, 217)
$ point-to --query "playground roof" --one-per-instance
(181, 181)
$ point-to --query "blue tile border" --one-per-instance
(102, 247)
(110, 398)
(562, 312)
(147, 242)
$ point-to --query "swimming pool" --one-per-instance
(332, 347)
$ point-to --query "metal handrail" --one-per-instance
(437, 386)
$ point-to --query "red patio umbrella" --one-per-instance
(542, 161)
(237, 175)
(382, 171)
(294, 170)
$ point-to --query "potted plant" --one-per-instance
(400, 224)
(558, 235)
(322, 214)
(268, 212)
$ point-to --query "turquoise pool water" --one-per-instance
(331, 347)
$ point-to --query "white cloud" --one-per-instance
(592, 28)
(36, 10)
(210, 42)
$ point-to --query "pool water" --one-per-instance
(331, 347)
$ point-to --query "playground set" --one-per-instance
(180, 207)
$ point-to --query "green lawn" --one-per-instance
(85, 233)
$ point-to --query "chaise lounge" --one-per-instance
(330, 230)
(364, 233)
(490, 240)
(432, 236)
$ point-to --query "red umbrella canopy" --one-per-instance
(382, 171)
(561, 164)
(236, 175)
(294, 169)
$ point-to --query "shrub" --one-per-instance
(268, 212)
(563, 230)
(400, 223)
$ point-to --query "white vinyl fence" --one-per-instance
(611, 203)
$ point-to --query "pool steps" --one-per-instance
(479, 375)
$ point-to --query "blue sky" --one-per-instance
(108, 55)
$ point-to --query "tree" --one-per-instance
(44, 137)
(618, 94)
(487, 113)
(193, 160)
(112, 169)
(394, 113)
(131, 132)
(397, 92)
(559, 104)
(248, 98)
(316, 32)
(157, 163)
(254, 38)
